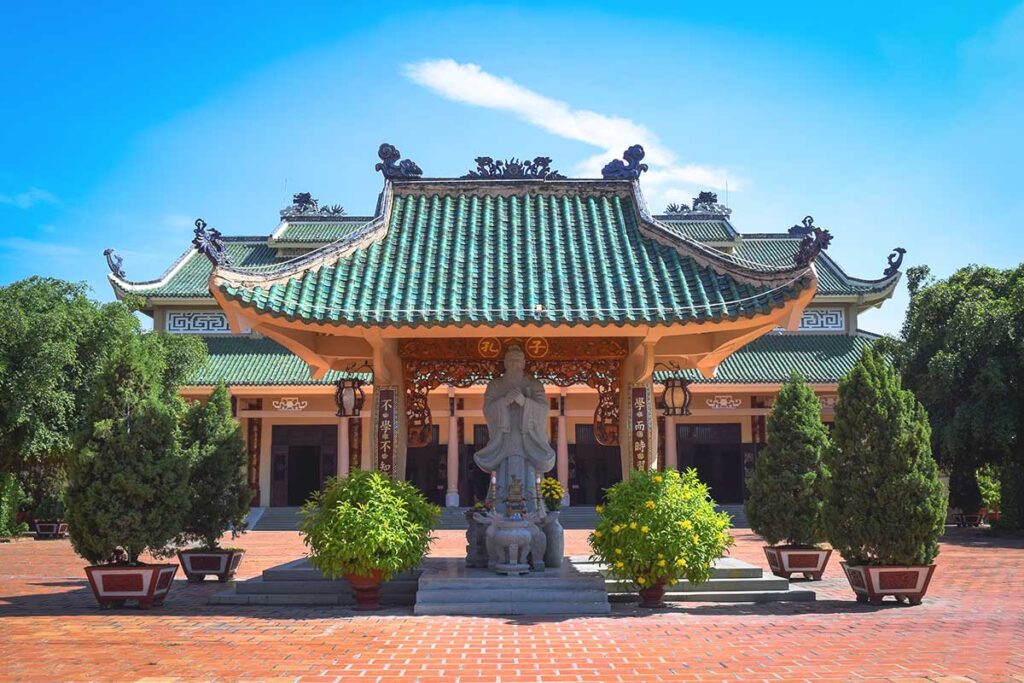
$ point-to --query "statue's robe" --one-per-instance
(518, 445)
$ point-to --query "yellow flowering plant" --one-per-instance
(658, 527)
(552, 493)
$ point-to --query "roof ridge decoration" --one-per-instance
(391, 167)
(114, 262)
(538, 169)
(617, 169)
(895, 261)
(209, 243)
(803, 228)
(704, 204)
(814, 242)
(305, 205)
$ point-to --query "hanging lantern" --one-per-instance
(349, 397)
(677, 396)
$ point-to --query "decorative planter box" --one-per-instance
(49, 529)
(786, 560)
(148, 584)
(872, 583)
(220, 563)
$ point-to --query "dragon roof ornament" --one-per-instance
(305, 205)
(208, 242)
(895, 261)
(392, 165)
(704, 204)
(804, 227)
(114, 262)
(814, 242)
(538, 169)
(630, 169)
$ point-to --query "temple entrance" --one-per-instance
(426, 468)
(592, 467)
(303, 457)
(716, 452)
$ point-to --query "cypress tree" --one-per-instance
(884, 504)
(218, 486)
(787, 487)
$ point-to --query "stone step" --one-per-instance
(496, 581)
(510, 595)
(513, 608)
(232, 597)
(710, 586)
(788, 595)
(260, 586)
(724, 568)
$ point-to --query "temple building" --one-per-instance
(365, 341)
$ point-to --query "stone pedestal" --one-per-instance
(476, 541)
(555, 535)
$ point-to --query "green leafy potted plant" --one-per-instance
(657, 527)
(219, 489)
(552, 492)
(989, 485)
(788, 483)
(11, 497)
(367, 527)
(48, 517)
(128, 486)
(885, 507)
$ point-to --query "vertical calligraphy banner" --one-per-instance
(641, 423)
(386, 428)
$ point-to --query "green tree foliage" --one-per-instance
(962, 353)
(884, 502)
(787, 487)
(128, 483)
(218, 485)
(365, 522)
(989, 477)
(11, 496)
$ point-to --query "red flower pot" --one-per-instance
(51, 528)
(651, 598)
(366, 589)
(786, 560)
(114, 584)
(220, 563)
(872, 583)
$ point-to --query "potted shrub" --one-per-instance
(988, 484)
(128, 486)
(885, 507)
(367, 527)
(48, 517)
(657, 527)
(965, 495)
(218, 487)
(552, 492)
(787, 486)
(11, 497)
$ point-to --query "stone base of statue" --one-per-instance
(476, 541)
(555, 535)
(515, 545)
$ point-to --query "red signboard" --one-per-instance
(386, 429)
(641, 426)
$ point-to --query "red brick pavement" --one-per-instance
(970, 627)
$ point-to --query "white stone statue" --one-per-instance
(516, 410)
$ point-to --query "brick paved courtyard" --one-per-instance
(971, 627)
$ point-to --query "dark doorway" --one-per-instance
(302, 458)
(592, 467)
(426, 468)
(473, 481)
(716, 452)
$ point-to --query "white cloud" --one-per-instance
(469, 84)
(28, 199)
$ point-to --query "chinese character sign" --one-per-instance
(641, 427)
(386, 429)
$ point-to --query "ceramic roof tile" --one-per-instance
(832, 280)
(320, 232)
(254, 361)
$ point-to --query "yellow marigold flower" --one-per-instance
(696, 538)
(658, 478)
(620, 565)
(597, 534)
(618, 551)
(632, 525)
(650, 505)
(644, 529)
(599, 509)
(686, 525)
(615, 529)
(661, 563)
(641, 580)
(680, 562)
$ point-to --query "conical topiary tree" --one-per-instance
(128, 485)
(787, 487)
(884, 504)
(219, 489)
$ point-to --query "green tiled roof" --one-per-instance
(832, 280)
(462, 255)
(248, 361)
(821, 358)
(320, 232)
(190, 279)
(700, 230)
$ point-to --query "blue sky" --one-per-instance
(894, 124)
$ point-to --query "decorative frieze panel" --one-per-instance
(723, 402)
(823, 320)
(197, 322)
(291, 405)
